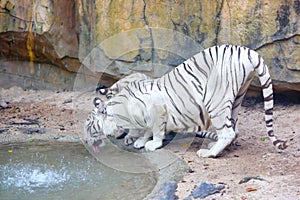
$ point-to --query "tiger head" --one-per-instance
(97, 126)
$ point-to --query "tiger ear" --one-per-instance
(99, 104)
(103, 91)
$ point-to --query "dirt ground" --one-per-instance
(58, 116)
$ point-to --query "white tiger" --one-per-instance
(206, 89)
(133, 80)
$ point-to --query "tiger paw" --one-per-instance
(211, 144)
(205, 153)
(152, 145)
(140, 142)
(128, 140)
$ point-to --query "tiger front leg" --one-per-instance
(141, 141)
(154, 144)
(128, 140)
(132, 135)
(157, 141)
(158, 124)
(225, 138)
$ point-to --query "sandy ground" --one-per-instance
(58, 116)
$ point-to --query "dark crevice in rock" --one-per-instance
(218, 20)
(149, 30)
(275, 41)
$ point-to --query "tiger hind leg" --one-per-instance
(225, 138)
(210, 135)
(213, 137)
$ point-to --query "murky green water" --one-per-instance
(65, 171)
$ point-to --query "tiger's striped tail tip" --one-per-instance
(280, 144)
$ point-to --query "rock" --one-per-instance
(52, 44)
(167, 191)
(265, 26)
(67, 101)
(39, 45)
(205, 189)
(248, 178)
(3, 103)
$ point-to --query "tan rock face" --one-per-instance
(43, 33)
(118, 37)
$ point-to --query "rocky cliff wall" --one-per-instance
(118, 37)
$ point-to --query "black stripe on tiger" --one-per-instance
(267, 83)
(280, 144)
(199, 68)
(268, 98)
(207, 135)
(205, 60)
(269, 111)
(132, 94)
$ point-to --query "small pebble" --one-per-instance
(68, 101)
(3, 103)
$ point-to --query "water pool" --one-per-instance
(65, 171)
